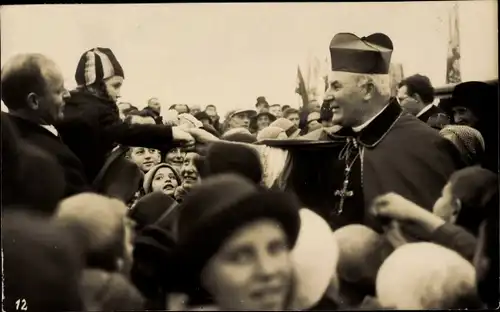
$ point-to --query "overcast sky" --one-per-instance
(228, 54)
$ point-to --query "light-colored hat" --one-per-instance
(271, 133)
(292, 131)
(190, 121)
(315, 257)
(251, 113)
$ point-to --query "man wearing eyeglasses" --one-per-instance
(416, 97)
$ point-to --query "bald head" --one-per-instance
(24, 74)
(361, 252)
(426, 276)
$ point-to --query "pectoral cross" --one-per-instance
(343, 193)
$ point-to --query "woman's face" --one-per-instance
(252, 270)
(446, 207)
(145, 158)
(175, 157)
(189, 173)
(263, 121)
(165, 181)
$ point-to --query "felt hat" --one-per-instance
(291, 130)
(250, 112)
(239, 135)
(261, 100)
(119, 177)
(96, 65)
(268, 114)
(223, 157)
(475, 95)
(214, 210)
(150, 208)
(148, 178)
(270, 133)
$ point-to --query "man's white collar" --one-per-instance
(364, 125)
(425, 109)
(51, 129)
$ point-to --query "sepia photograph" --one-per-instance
(300, 156)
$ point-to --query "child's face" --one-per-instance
(145, 158)
(165, 181)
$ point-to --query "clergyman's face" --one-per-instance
(345, 97)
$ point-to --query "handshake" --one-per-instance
(188, 137)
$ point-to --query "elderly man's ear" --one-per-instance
(33, 101)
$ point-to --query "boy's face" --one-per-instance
(145, 158)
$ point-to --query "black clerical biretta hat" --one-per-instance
(366, 55)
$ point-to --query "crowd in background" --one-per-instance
(109, 207)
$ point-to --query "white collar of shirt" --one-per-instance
(51, 129)
(425, 109)
(361, 127)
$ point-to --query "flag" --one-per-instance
(300, 88)
(453, 74)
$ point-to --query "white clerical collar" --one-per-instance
(51, 129)
(361, 127)
(425, 109)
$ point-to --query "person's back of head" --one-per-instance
(42, 263)
(427, 276)
(109, 291)
(476, 189)
(103, 221)
(222, 157)
(467, 140)
(361, 253)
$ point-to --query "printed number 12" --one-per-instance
(21, 304)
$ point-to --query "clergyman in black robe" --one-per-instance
(384, 149)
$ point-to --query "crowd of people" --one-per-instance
(366, 200)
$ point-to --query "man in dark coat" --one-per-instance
(92, 127)
(33, 90)
(373, 149)
(416, 96)
(154, 110)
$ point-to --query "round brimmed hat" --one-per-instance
(250, 112)
(268, 114)
(214, 210)
(474, 95)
